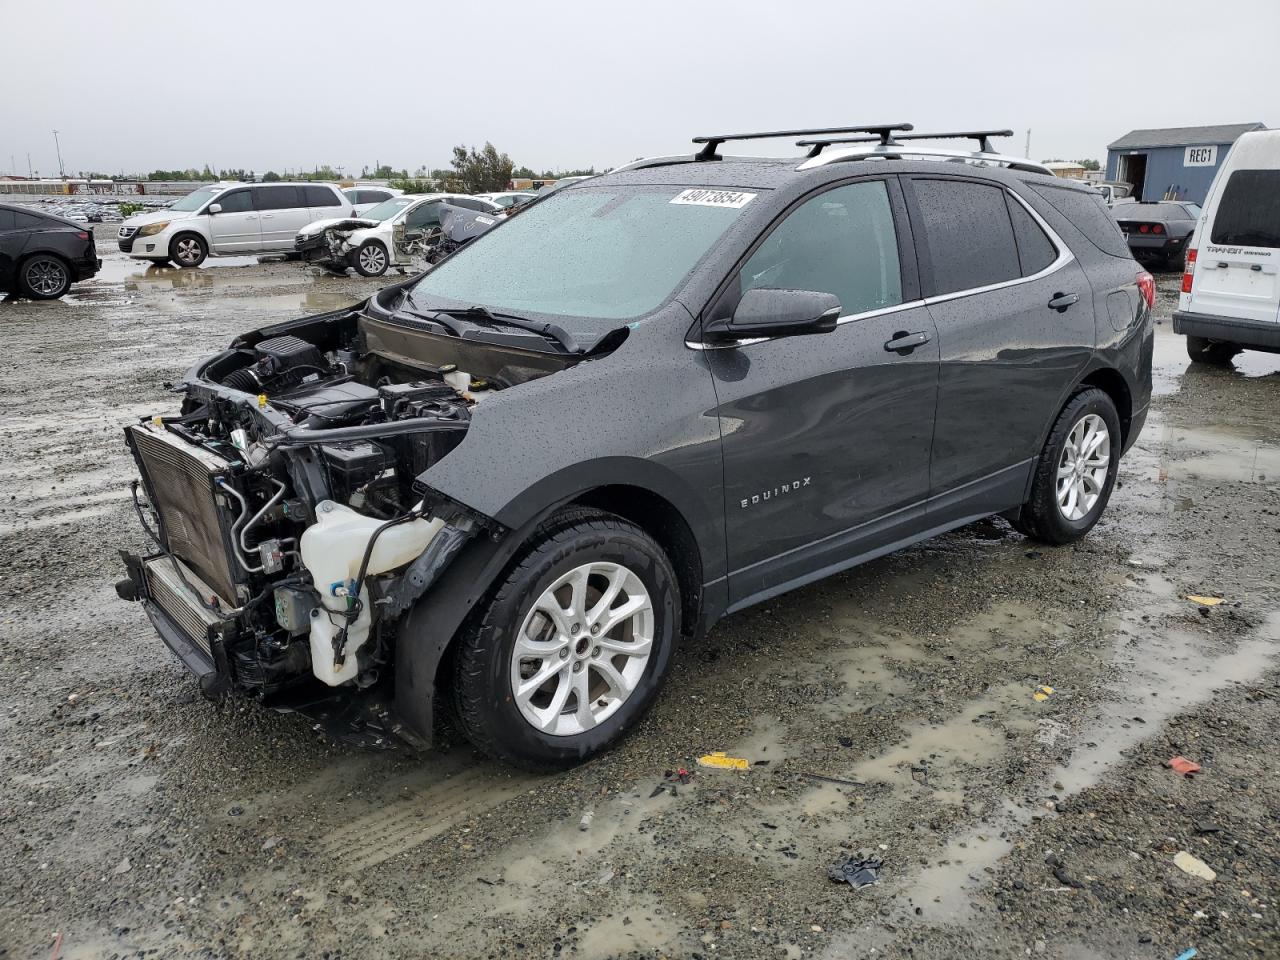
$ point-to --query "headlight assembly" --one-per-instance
(151, 229)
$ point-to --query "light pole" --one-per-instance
(57, 146)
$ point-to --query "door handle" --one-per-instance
(904, 342)
(267, 216)
(1061, 301)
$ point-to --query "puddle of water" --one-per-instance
(640, 927)
(937, 754)
(1173, 667)
(1222, 452)
(1171, 365)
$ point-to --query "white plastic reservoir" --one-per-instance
(332, 549)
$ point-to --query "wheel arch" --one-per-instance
(1112, 382)
(428, 632)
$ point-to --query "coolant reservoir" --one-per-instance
(332, 549)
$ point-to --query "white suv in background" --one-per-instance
(1231, 285)
(230, 219)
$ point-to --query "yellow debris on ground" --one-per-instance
(722, 762)
(1204, 601)
(1043, 693)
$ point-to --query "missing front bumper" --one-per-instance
(191, 632)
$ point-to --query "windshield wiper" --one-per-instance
(552, 331)
(435, 316)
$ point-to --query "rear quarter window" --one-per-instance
(1086, 210)
(320, 197)
(1249, 212)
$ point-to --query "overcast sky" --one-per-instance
(274, 85)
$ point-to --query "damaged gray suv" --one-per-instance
(511, 485)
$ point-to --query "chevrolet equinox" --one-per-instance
(510, 485)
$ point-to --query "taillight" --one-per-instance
(1157, 228)
(82, 235)
(1144, 228)
(1189, 270)
(1147, 287)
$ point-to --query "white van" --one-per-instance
(1231, 288)
(230, 219)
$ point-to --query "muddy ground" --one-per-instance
(139, 820)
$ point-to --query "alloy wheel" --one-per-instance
(1082, 469)
(582, 649)
(188, 250)
(373, 259)
(46, 277)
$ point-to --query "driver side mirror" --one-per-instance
(777, 313)
(214, 208)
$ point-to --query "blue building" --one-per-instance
(1177, 163)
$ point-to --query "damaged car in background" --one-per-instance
(398, 232)
(512, 484)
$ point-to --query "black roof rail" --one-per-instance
(982, 136)
(711, 144)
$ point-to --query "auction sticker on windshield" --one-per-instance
(714, 198)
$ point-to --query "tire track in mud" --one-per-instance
(405, 824)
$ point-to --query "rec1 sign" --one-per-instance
(1200, 157)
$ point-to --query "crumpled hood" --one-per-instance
(142, 219)
(346, 223)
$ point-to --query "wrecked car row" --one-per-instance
(655, 397)
(400, 232)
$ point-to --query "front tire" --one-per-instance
(571, 647)
(1218, 353)
(188, 250)
(370, 259)
(44, 277)
(1076, 471)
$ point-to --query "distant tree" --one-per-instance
(483, 170)
(385, 172)
(270, 177)
(523, 173)
(1090, 164)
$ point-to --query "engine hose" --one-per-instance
(357, 605)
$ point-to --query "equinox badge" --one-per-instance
(778, 491)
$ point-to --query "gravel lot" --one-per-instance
(141, 820)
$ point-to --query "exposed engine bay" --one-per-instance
(292, 528)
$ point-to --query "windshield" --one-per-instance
(196, 200)
(606, 252)
(387, 208)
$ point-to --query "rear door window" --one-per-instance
(968, 234)
(470, 203)
(32, 221)
(1035, 250)
(1249, 211)
(279, 198)
(842, 242)
(6, 220)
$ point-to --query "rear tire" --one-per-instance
(575, 561)
(1073, 482)
(188, 250)
(1215, 352)
(44, 277)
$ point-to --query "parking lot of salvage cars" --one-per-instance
(887, 714)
